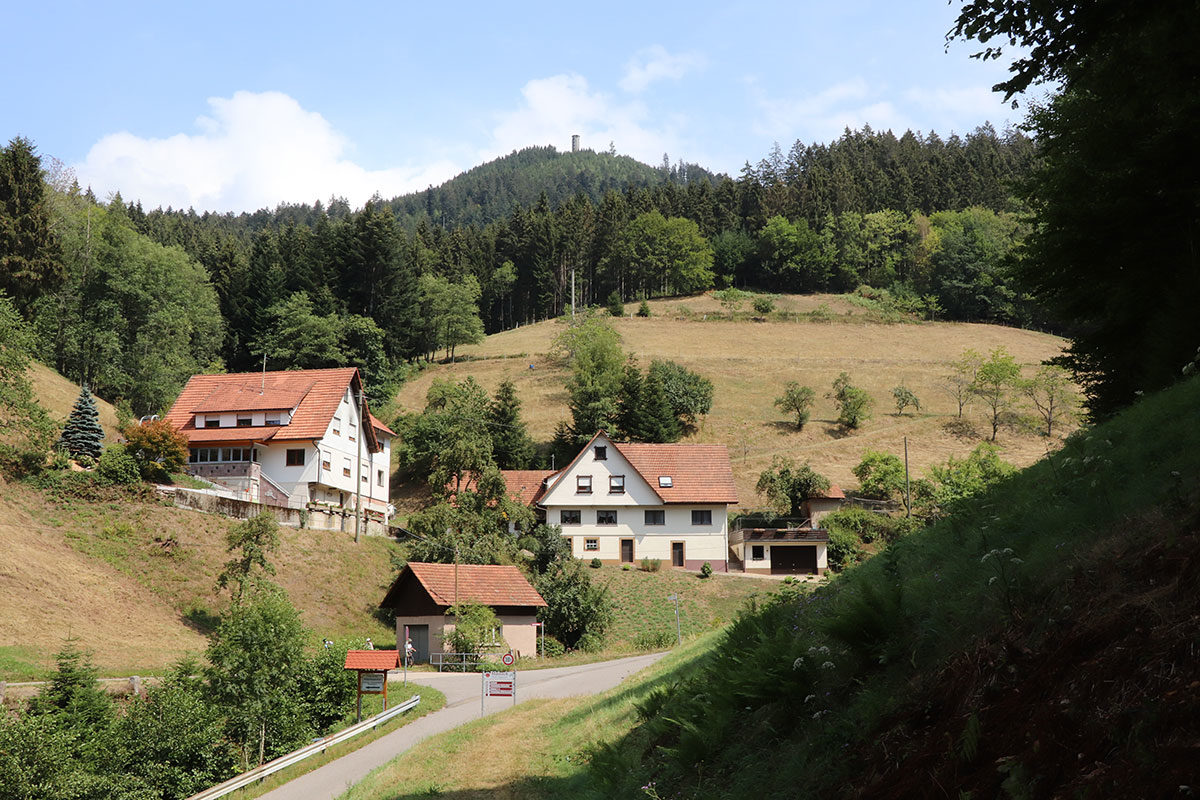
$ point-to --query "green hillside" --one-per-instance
(1038, 643)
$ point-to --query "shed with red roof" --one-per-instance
(423, 593)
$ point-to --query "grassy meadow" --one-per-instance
(810, 339)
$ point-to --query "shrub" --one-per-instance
(706, 570)
(117, 467)
(844, 549)
(577, 607)
(615, 307)
(651, 564)
(643, 309)
(156, 444)
(764, 304)
(880, 475)
(627, 567)
(904, 399)
(591, 642)
(596, 563)
(863, 524)
(654, 640)
(854, 404)
(553, 648)
(473, 627)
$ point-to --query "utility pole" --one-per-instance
(907, 490)
(572, 293)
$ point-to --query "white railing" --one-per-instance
(319, 746)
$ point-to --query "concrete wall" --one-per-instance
(742, 551)
(314, 518)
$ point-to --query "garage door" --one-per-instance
(794, 560)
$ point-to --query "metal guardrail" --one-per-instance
(461, 660)
(319, 746)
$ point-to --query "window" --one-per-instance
(601, 453)
(591, 544)
(274, 418)
(295, 458)
(702, 516)
(245, 422)
(656, 516)
(616, 484)
(583, 484)
(570, 517)
(337, 426)
(665, 482)
(756, 552)
(353, 434)
(379, 477)
(216, 455)
(346, 467)
(326, 461)
(212, 423)
(606, 517)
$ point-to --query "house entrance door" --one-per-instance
(677, 554)
(627, 551)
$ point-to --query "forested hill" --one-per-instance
(491, 192)
(927, 218)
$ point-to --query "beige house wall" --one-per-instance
(518, 630)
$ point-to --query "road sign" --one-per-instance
(507, 659)
(499, 684)
(370, 682)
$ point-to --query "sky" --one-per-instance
(224, 106)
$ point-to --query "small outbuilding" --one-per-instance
(422, 594)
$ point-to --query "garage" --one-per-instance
(793, 559)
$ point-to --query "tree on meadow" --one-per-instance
(83, 435)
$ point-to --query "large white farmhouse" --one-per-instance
(287, 438)
(623, 502)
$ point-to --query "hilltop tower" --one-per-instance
(575, 143)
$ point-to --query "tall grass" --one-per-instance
(809, 677)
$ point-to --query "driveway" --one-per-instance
(462, 705)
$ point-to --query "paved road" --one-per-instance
(462, 705)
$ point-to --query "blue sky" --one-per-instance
(236, 106)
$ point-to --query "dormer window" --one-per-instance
(212, 423)
(601, 453)
(274, 418)
(244, 422)
(583, 484)
(665, 482)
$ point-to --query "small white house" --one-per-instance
(287, 438)
(622, 502)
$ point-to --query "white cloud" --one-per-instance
(554, 108)
(655, 64)
(254, 150)
(824, 115)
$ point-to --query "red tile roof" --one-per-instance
(372, 659)
(477, 583)
(834, 493)
(230, 435)
(379, 426)
(524, 486)
(314, 394)
(700, 473)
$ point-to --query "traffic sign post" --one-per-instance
(498, 684)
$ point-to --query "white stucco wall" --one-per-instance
(701, 542)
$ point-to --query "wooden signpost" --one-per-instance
(372, 667)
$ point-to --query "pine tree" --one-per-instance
(83, 435)
(659, 423)
(629, 415)
(29, 254)
(511, 446)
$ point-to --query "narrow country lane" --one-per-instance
(462, 705)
